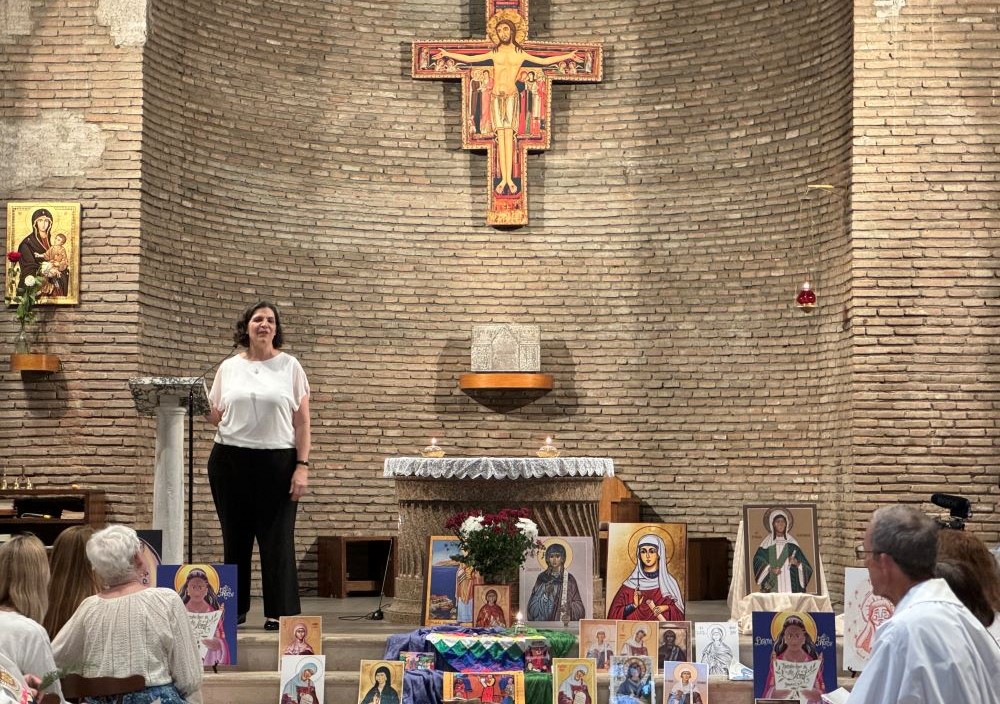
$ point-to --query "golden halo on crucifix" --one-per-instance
(568, 552)
(636, 537)
(512, 16)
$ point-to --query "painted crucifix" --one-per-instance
(506, 96)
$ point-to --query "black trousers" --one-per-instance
(250, 489)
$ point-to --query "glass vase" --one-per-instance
(22, 343)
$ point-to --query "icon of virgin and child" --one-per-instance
(648, 592)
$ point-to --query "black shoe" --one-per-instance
(271, 625)
(241, 619)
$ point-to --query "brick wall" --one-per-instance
(286, 154)
(924, 308)
(70, 125)
(670, 230)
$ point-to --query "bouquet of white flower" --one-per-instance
(495, 544)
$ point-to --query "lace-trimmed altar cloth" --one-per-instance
(497, 467)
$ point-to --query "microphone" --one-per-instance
(201, 377)
(959, 506)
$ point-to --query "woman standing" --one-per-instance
(259, 466)
(24, 598)
(130, 629)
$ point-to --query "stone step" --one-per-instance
(258, 651)
(236, 687)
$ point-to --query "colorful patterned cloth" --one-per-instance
(483, 649)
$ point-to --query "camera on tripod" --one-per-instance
(959, 508)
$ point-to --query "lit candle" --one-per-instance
(548, 440)
(434, 441)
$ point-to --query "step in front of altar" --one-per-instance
(259, 651)
(235, 687)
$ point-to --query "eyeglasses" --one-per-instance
(862, 553)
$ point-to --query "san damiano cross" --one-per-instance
(506, 96)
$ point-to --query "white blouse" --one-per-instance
(144, 633)
(258, 400)
(27, 643)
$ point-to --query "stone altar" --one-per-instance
(562, 492)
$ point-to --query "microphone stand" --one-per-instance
(190, 452)
(377, 614)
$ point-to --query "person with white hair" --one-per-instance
(932, 649)
(130, 629)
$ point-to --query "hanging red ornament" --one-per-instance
(806, 300)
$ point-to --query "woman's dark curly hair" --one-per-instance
(242, 335)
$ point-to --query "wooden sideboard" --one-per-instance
(48, 512)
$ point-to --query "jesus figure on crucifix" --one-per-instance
(507, 29)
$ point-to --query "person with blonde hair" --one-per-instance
(129, 628)
(72, 579)
(24, 582)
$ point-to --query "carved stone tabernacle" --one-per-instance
(505, 347)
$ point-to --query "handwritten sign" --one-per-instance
(795, 676)
(204, 626)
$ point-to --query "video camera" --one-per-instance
(959, 508)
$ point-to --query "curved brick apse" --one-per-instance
(226, 151)
(289, 154)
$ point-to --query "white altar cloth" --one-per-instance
(496, 467)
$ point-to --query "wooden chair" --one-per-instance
(76, 687)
